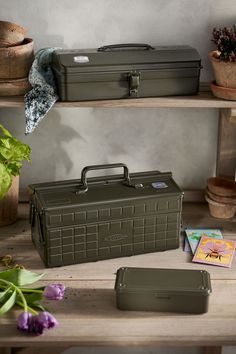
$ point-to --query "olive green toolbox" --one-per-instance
(165, 290)
(105, 217)
(126, 70)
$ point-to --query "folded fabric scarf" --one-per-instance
(43, 94)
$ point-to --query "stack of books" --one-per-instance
(208, 246)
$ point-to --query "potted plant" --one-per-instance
(12, 153)
(223, 61)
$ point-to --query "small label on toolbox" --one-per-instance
(81, 59)
(159, 185)
(116, 237)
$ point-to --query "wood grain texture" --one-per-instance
(226, 156)
(212, 350)
(232, 115)
(204, 99)
(53, 350)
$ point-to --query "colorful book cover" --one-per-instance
(215, 252)
(187, 247)
(194, 236)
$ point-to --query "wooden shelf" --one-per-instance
(204, 99)
(226, 150)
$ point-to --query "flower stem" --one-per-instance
(28, 308)
(13, 286)
(25, 290)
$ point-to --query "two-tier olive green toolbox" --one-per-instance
(126, 70)
(167, 290)
(105, 217)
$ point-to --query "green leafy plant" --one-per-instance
(14, 290)
(12, 153)
(225, 41)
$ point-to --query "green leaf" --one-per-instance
(12, 153)
(14, 168)
(4, 294)
(20, 277)
(5, 146)
(14, 150)
(5, 180)
(32, 298)
(39, 307)
(5, 131)
(8, 304)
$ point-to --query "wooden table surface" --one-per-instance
(88, 314)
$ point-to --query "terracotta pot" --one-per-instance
(9, 204)
(15, 62)
(16, 87)
(220, 210)
(11, 34)
(222, 186)
(224, 71)
(220, 199)
(226, 93)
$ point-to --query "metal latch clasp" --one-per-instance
(134, 82)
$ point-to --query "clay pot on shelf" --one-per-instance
(16, 58)
(223, 60)
(15, 62)
(224, 85)
(9, 204)
(221, 210)
(224, 71)
(221, 197)
(221, 186)
(11, 34)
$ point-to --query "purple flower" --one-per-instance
(24, 322)
(36, 324)
(44, 320)
(54, 291)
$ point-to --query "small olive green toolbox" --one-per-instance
(164, 290)
(105, 217)
(126, 70)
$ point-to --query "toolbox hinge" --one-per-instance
(32, 214)
(38, 217)
(134, 82)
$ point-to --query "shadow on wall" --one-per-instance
(46, 142)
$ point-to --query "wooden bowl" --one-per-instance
(13, 87)
(15, 62)
(222, 186)
(11, 34)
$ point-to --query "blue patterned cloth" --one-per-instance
(40, 99)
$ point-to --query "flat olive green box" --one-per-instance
(164, 290)
(105, 217)
(126, 71)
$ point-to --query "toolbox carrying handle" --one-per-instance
(126, 45)
(84, 184)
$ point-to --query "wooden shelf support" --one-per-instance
(226, 152)
(232, 115)
(212, 350)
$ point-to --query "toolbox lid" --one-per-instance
(107, 189)
(163, 281)
(92, 60)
